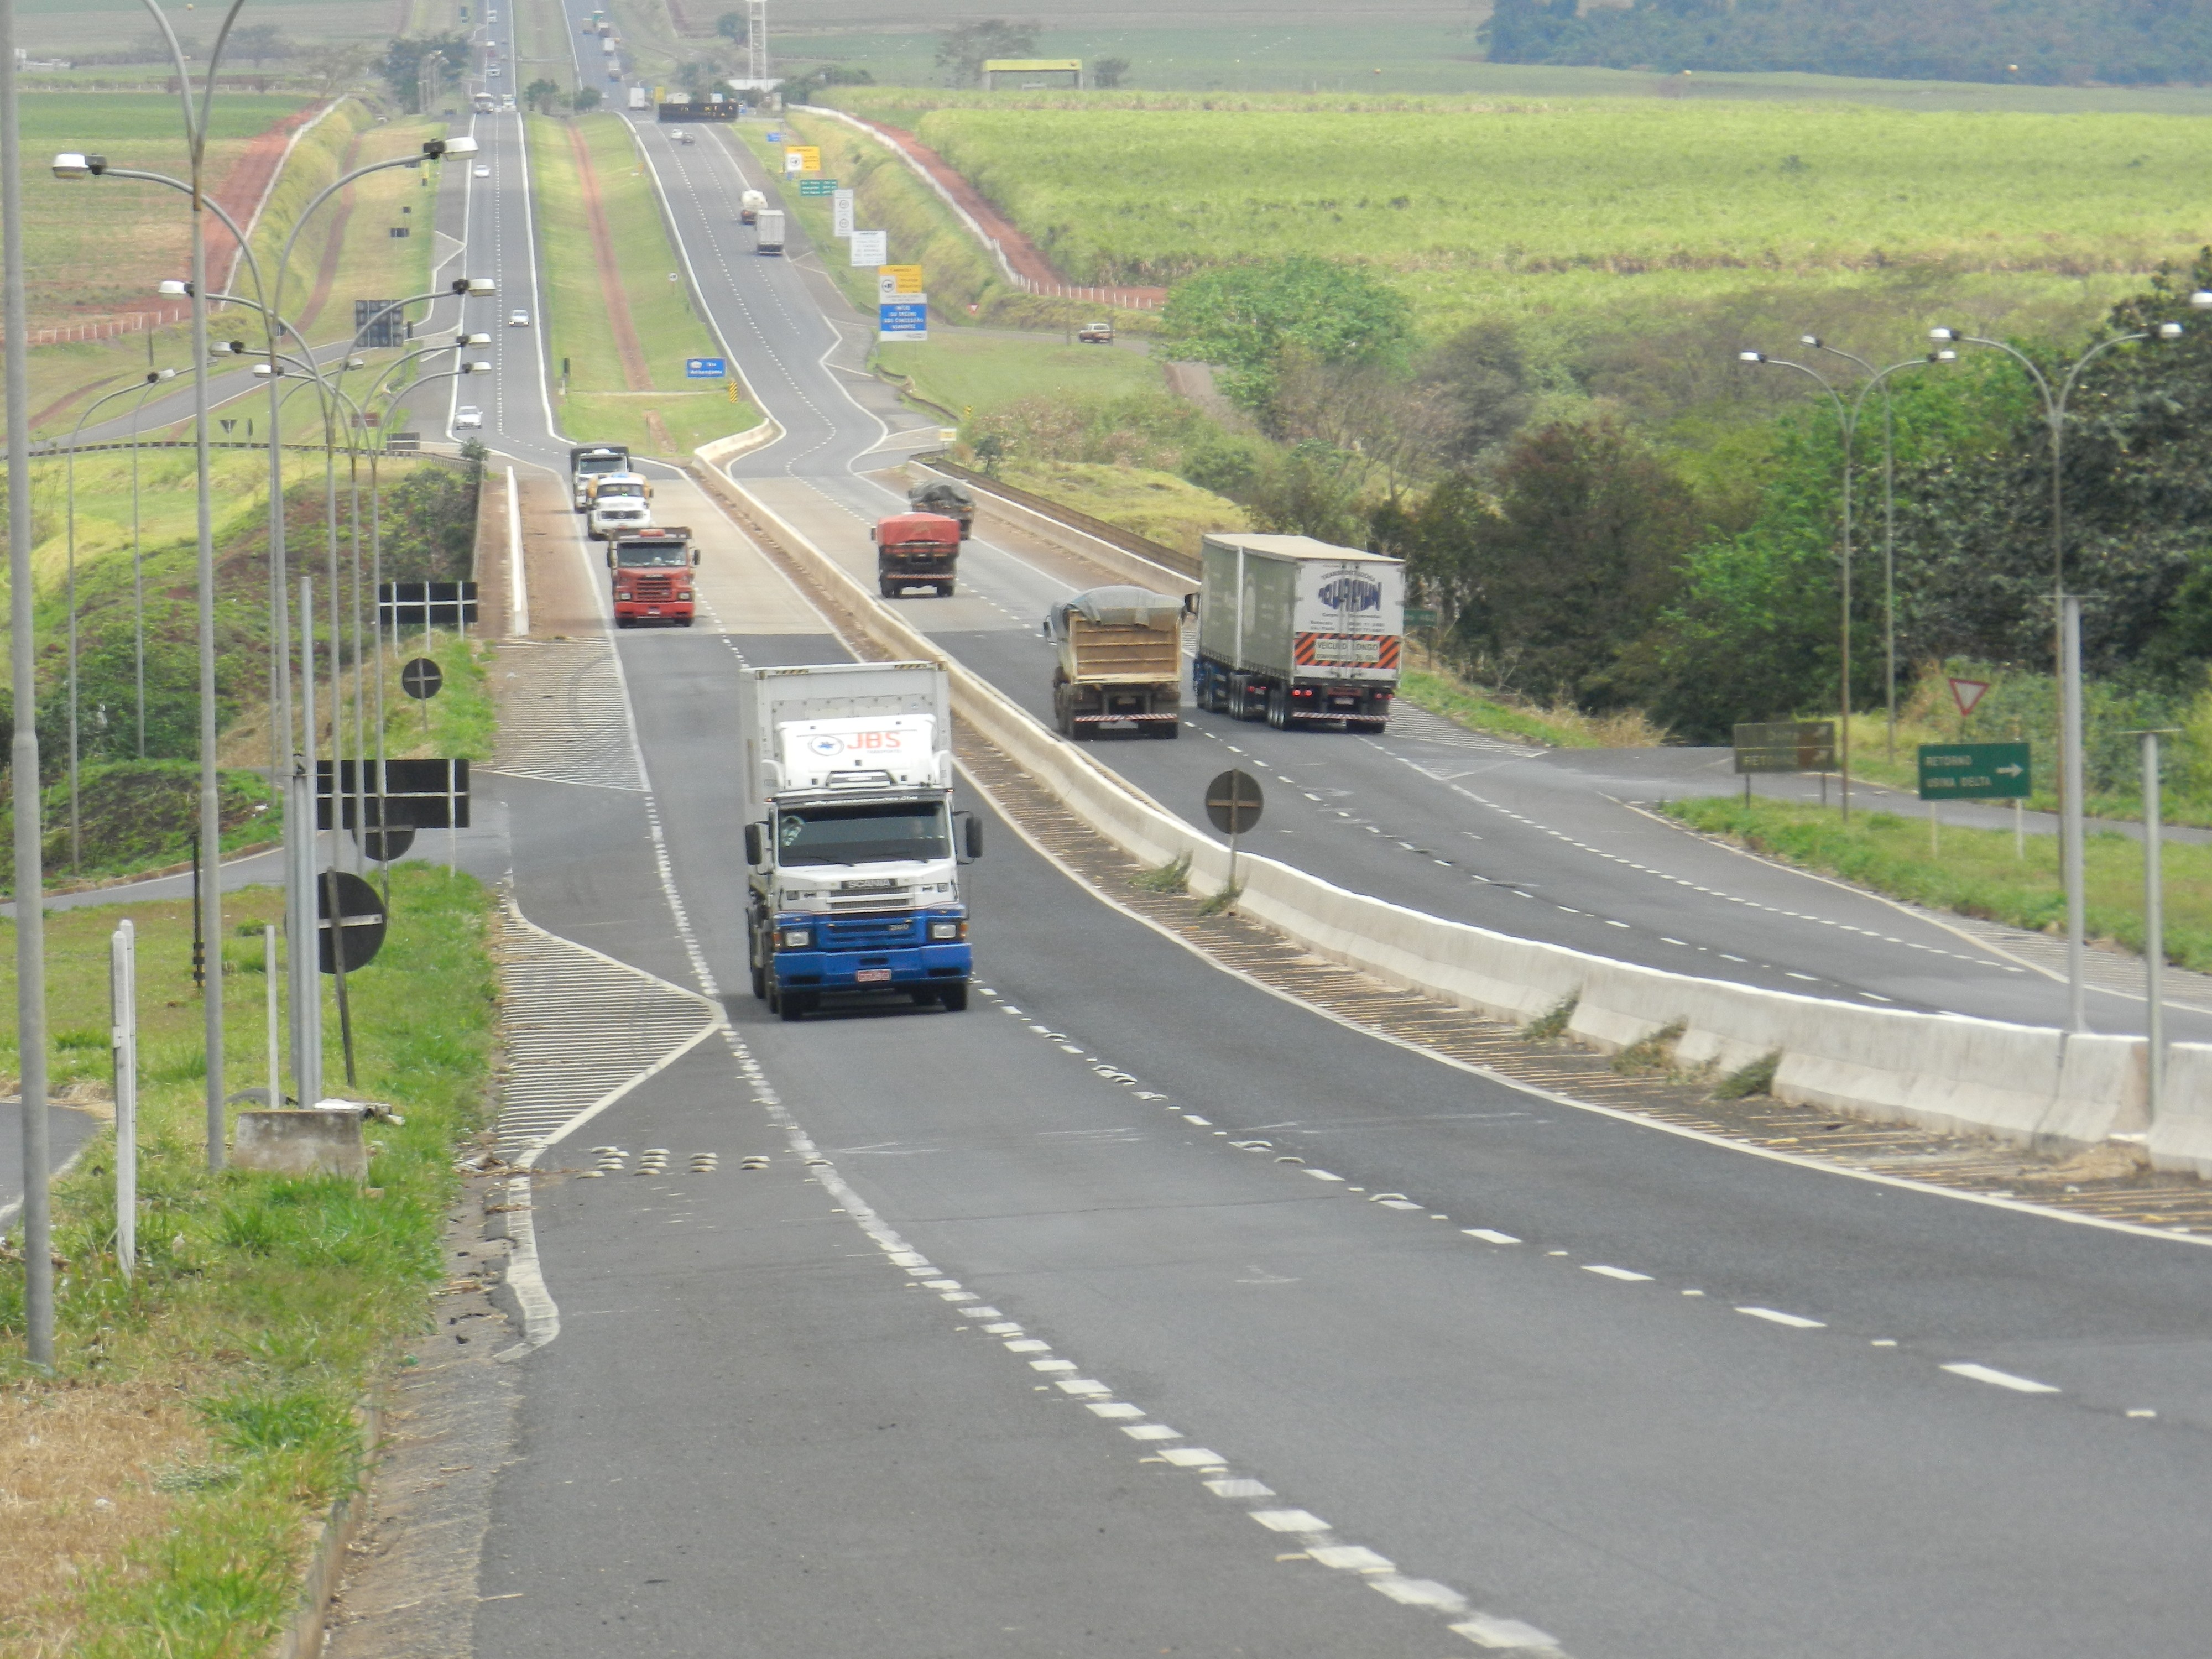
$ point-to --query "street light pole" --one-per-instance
(153, 378)
(23, 751)
(2066, 623)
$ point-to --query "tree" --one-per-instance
(1109, 72)
(258, 42)
(703, 73)
(732, 27)
(417, 68)
(962, 50)
(336, 65)
(1481, 379)
(585, 101)
(1245, 319)
(542, 95)
(1562, 573)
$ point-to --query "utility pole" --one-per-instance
(23, 758)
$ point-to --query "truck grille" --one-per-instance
(871, 933)
(651, 587)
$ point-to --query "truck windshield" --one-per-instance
(651, 555)
(592, 464)
(609, 491)
(874, 832)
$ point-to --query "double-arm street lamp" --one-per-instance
(1848, 413)
(2066, 622)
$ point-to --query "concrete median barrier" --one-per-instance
(2031, 1085)
(2182, 1137)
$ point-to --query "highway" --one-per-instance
(1011, 1348)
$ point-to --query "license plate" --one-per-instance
(872, 975)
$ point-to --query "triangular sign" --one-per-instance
(228, 425)
(1967, 693)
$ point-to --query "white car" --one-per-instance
(468, 418)
(518, 319)
(482, 171)
(493, 71)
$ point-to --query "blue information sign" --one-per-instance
(903, 319)
(705, 368)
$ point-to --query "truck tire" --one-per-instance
(1163, 728)
(945, 589)
(760, 981)
(1278, 708)
(795, 1005)
(953, 998)
(888, 588)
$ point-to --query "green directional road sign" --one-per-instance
(1420, 616)
(1786, 746)
(1974, 771)
(817, 186)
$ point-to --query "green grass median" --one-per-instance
(1976, 872)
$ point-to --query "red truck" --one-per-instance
(652, 572)
(915, 549)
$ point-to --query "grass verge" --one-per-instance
(973, 372)
(1976, 873)
(200, 1416)
(1156, 505)
(646, 403)
(1481, 708)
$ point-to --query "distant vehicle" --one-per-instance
(468, 418)
(518, 319)
(608, 486)
(590, 461)
(652, 575)
(941, 495)
(1096, 334)
(482, 171)
(1120, 662)
(484, 103)
(750, 205)
(768, 228)
(1295, 631)
(493, 71)
(613, 516)
(915, 549)
(638, 98)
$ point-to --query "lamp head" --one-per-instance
(479, 286)
(472, 339)
(479, 366)
(174, 289)
(356, 362)
(461, 146)
(1944, 356)
(268, 370)
(1812, 340)
(2201, 299)
(70, 164)
(1751, 356)
(1944, 334)
(2169, 331)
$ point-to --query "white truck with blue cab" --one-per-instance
(851, 845)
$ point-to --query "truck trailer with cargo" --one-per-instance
(750, 205)
(651, 572)
(915, 549)
(767, 231)
(851, 845)
(942, 495)
(1119, 662)
(1297, 632)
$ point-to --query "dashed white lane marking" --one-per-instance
(1490, 1235)
(1997, 1378)
(1795, 1321)
(1487, 1633)
(1618, 1272)
(1290, 1521)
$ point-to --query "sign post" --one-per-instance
(1972, 771)
(906, 318)
(1233, 805)
(123, 996)
(1785, 746)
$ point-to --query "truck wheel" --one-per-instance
(625, 622)
(1164, 728)
(795, 1005)
(760, 981)
(1279, 712)
(953, 998)
(890, 588)
(945, 589)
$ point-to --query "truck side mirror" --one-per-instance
(611, 558)
(694, 555)
(753, 845)
(971, 836)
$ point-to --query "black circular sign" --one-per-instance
(421, 678)
(360, 923)
(1232, 801)
(388, 843)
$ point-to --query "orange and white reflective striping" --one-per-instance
(1346, 651)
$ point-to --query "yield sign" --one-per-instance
(1967, 693)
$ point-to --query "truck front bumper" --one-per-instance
(901, 968)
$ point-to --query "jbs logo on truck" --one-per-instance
(1348, 592)
(827, 744)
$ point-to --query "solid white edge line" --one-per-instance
(517, 578)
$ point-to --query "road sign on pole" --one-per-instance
(1967, 693)
(817, 186)
(1974, 771)
(871, 247)
(1233, 802)
(903, 319)
(422, 679)
(841, 213)
(705, 368)
(1786, 746)
(897, 281)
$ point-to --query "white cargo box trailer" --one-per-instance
(788, 717)
(1297, 631)
(637, 98)
(767, 231)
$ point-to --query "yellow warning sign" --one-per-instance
(807, 159)
(900, 279)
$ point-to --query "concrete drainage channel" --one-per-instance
(1947, 1078)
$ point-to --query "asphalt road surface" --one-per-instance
(1012, 1348)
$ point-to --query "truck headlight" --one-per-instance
(795, 939)
(948, 930)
